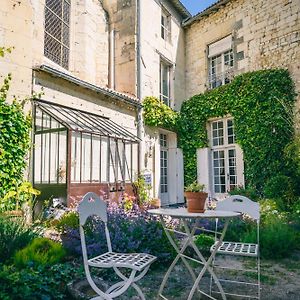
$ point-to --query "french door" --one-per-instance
(164, 164)
(224, 157)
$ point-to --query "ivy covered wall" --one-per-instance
(261, 104)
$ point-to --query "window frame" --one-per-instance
(165, 98)
(224, 76)
(62, 43)
(165, 29)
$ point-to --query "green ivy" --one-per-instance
(158, 114)
(14, 142)
(260, 103)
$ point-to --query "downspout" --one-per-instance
(139, 81)
(112, 59)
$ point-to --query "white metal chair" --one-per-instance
(90, 205)
(250, 208)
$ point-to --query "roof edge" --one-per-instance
(181, 9)
(105, 91)
(205, 12)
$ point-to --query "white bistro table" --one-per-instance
(189, 231)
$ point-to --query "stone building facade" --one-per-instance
(227, 39)
(103, 56)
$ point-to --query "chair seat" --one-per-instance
(233, 248)
(135, 261)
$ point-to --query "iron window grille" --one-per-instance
(57, 31)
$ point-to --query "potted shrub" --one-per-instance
(195, 197)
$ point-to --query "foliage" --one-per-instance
(43, 282)
(204, 242)
(128, 201)
(194, 187)
(14, 143)
(257, 102)
(141, 191)
(13, 236)
(248, 192)
(4, 50)
(68, 220)
(19, 195)
(158, 114)
(130, 231)
(41, 251)
(280, 187)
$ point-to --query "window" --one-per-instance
(163, 163)
(165, 83)
(57, 31)
(165, 25)
(224, 163)
(220, 62)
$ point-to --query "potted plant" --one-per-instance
(195, 197)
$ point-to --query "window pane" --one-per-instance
(75, 159)
(96, 158)
(62, 157)
(37, 158)
(86, 158)
(104, 159)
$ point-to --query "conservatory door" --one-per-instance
(164, 164)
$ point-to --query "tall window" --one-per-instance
(163, 140)
(57, 31)
(165, 25)
(223, 147)
(220, 62)
(165, 83)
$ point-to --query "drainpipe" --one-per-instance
(138, 80)
(112, 59)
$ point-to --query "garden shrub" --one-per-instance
(204, 242)
(69, 220)
(43, 282)
(280, 187)
(130, 231)
(14, 144)
(248, 192)
(13, 236)
(41, 251)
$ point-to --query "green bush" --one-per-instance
(44, 282)
(280, 187)
(248, 192)
(41, 251)
(69, 220)
(204, 242)
(13, 236)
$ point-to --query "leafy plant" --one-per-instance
(24, 193)
(69, 220)
(141, 191)
(248, 192)
(194, 187)
(14, 143)
(41, 251)
(204, 242)
(43, 282)
(13, 236)
(158, 114)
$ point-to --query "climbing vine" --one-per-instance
(261, 104)
(14, 141)
(258, 103)
(156, 113)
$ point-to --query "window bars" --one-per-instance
(57, 31)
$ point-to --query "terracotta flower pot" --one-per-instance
(196, 201)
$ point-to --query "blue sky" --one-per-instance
(195, 6)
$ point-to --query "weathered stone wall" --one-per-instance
(153, 48)
(266, 34)
(22, 27)
(122, 19)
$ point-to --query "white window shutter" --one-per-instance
(175, 176)
(240, 166)
(204, 168)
